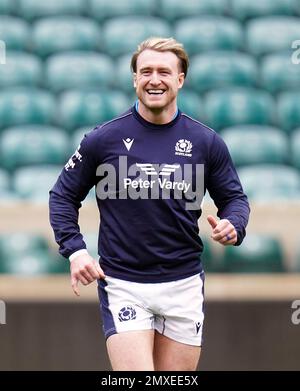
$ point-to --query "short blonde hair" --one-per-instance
(162, 45)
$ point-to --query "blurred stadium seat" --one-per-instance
(191, 104)
(33, 183)
(256, 144)
(244, 9)
(26, 254)
(296, 263)
(7, 6)
(175, 9)
(122, 35)
(205, 33)
(211, 262)
(31, 9)
(260, 253)
(21, 69)
(33, 263)
(4, 181)
(103, 9)
(272, 33)
(218, 69)
(89, 108)
(233, 106)
(33, 144)
(295, 148)
(78, 70)
(24, 105)
(91, 241)
(71, 33)
(78, 135)
(288, 109)
(14, 32)
(18, 243)
(123, 75)
(269, 182)
(279, 73)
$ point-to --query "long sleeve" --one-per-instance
(225, 188)
(75, 181)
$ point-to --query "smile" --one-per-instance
(155, 92)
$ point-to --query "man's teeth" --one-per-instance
(156, 92)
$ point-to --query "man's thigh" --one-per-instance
(170, 355)
(131, 350)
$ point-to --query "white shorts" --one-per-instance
(175, 309)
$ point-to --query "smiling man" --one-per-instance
(150, 275)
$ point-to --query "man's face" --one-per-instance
(157, 78)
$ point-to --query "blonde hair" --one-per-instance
(162, 45)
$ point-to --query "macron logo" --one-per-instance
(150, 170)
(198, 326)
(128, 143)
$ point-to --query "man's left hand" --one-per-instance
(223, 231)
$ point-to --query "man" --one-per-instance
(146, 166)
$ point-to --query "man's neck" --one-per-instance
(157, 116)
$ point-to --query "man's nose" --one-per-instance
(155, 80)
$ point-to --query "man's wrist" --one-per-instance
(77, 253)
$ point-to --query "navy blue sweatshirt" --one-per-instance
(147, 233)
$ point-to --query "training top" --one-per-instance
(145, 176)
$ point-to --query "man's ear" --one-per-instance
(181, 79)
(134, 80)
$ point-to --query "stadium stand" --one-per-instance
(218, 69)
(34, 182)
(271, 34)
(296, 264)
(288, 108)
(89, 108)
(33, 9)
(279, 73)
(26, 106)
(270, 182)
(191, 104)
(206, 33)
(233, 106)
(212, 262)
(7, 6)
(71, 33)
(245, 9)
(14, 32)
(22, 69)
(176, 9)
(28, 254)
(256, 144)
(123, 74)
(295, 148)
(103, 9)
(259, 254)
(4, 181)
(78, 70)
(67, 70)
(78, 135)
(116, 42)
(33, 144)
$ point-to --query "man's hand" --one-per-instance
(223, 231)
(85, 269)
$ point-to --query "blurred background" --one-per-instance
(64, 68)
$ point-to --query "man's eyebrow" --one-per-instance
(160, 68)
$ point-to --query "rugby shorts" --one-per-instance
(174, 309)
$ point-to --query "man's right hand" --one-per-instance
(85, 269)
